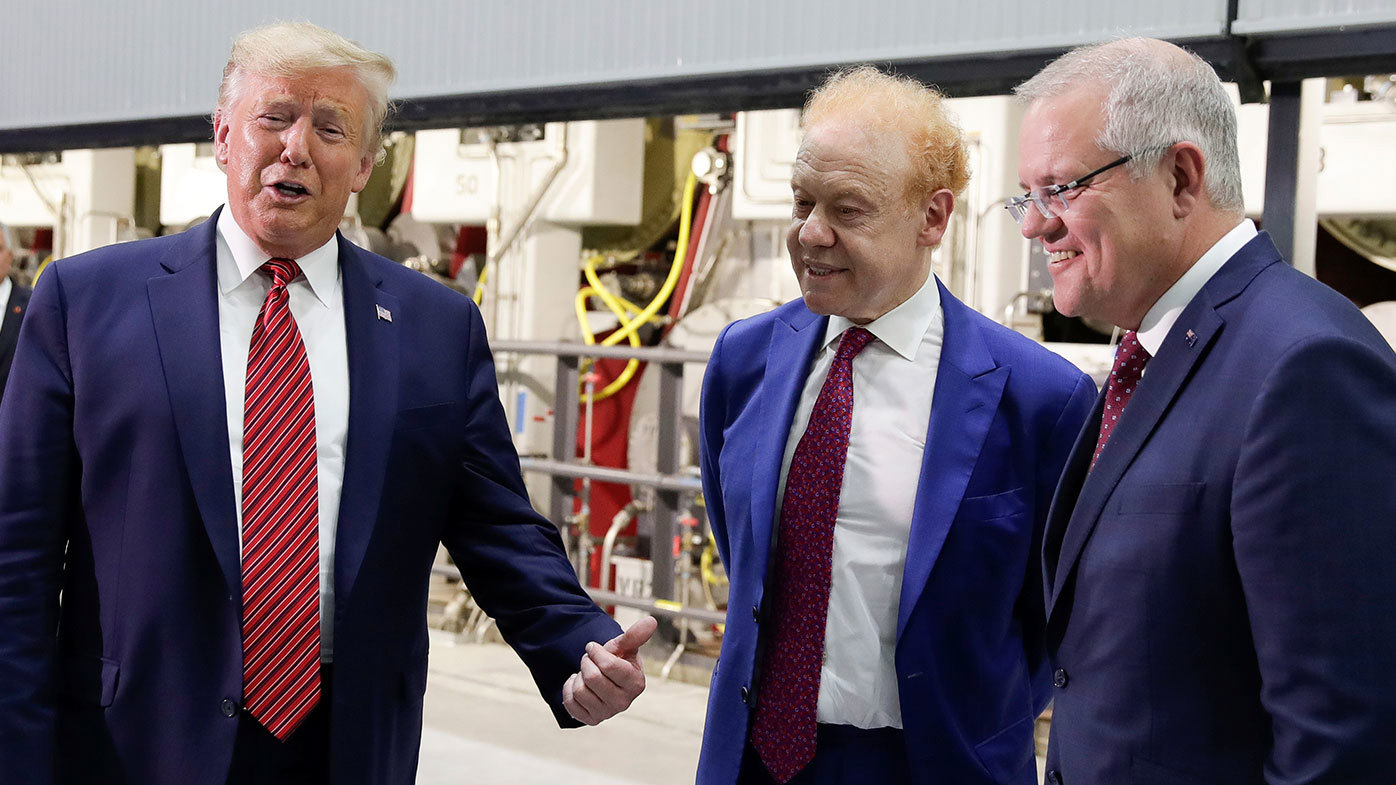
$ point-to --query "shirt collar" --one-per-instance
(5, 287)
(320, 266)
(1161, 318)
(901, 328)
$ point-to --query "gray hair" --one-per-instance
(1159, 95)
(288, 49)
(9, 235)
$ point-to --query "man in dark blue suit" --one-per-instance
(234, 452)
(1218, 560)
(877, 461)
(14, 299)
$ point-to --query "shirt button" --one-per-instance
(1060, 678)
(230, 707)
(1054, 778)
(756, 613)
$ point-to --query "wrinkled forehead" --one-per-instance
(852, 149)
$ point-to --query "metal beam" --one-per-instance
(1282, 166)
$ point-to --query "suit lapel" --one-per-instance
(1187, 342)
(14, 312)
(374, 350)
(184, 308)
(793, 346)
(968, 387)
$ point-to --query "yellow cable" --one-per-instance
(479, 296)
(619, 306)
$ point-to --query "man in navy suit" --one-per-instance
(877, 461)
(234, 452)
(14, 299)
(1218, 560)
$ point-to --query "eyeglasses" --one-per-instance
(1051, 201)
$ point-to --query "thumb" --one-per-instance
(628, 643)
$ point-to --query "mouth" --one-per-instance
(821, 271)
(290, 189)
(1057, 257)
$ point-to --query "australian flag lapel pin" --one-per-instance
(1190, 337)
(387, 315)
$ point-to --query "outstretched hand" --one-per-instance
(610, 677)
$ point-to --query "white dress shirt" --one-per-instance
(893, 381)
(317, 303)
(1164, 314)
(6, 287)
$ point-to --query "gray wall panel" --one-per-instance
(66, 62)
(1255, 17)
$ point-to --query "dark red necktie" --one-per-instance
(783, 731)
(1130, 359)
(280, 519)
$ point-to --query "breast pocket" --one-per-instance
(993, 507)
(1168, 498)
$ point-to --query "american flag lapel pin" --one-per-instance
(1191, 338)
(384, 314)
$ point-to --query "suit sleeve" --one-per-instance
(1055, 449)
(712, 419)
(1313, 513)
(38, 499)
(512, 558)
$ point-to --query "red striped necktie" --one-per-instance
(280, 519)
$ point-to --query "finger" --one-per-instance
(589, 703)
(569, 701)
(628, 643)
(610, 693)
(626, 674)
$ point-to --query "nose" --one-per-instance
(294, 143)
(815, 233)
(1034, 225)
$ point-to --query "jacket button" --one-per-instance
(1054, 778)
(756, 613)
(746, 696)
(1060, 678)
(230, 707)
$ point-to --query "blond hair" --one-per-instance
(289, 49)
(901, 105)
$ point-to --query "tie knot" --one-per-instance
(853, 341)
(1130, 357)
(281, 271)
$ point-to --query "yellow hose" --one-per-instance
(622, 307)
(479, 296)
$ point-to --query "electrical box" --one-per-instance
(456, 178)
(191, 184)
(766, 144)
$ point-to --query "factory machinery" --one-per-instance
(607, 255)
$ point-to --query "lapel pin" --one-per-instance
(384, 314)
(1191, 338)
(18, 309)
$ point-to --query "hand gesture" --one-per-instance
(610, 677)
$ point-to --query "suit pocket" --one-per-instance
(424, 416)
(1170, 498)
(1008, 755)
(90, 680)
(988, 508)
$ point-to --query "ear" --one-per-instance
(1186, 168)
(935, 217)
(365, 169)
(220, 139)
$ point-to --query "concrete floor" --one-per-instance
(484, 724)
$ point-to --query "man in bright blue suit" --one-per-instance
(877, 462)
(235, 450)
(1219, 555)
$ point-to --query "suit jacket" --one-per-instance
(114, 446)
(969, 656)
(9, 330)
(1221, 585)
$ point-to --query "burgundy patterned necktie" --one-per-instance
(783, 731)
(280, 519)
(1130, 359)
